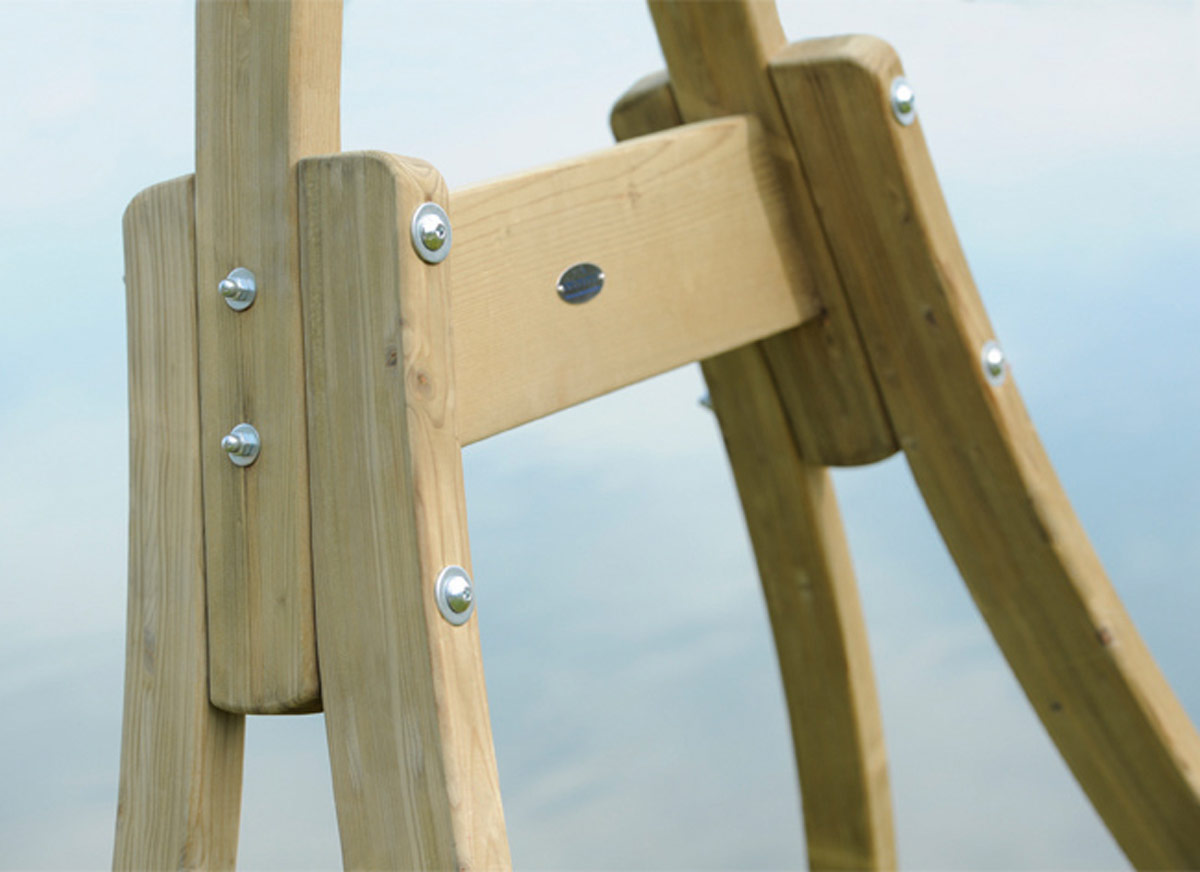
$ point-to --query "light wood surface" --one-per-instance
(691, 230)
(414, 771)
(181, 758)
(808, 581)
(717, 55)
(978, 460)
(267, 76)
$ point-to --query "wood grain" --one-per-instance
(717, 56)
(410, 742)
(267, 78)
(181, 758)
(808, 582)
(675, 221)
(977, 458)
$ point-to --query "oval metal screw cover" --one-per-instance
(580, 283)
(455, 595)
(431, 233)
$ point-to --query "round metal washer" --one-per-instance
(904, 101)
(995, 364)
(431, 233)
(455, 595)
(238, 289)
(242, 445)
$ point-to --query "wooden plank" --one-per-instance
(181, 758)
(675, 221)
(267, 75)
(977, 458)
(808, 581)
(414, 770)
(717, 57)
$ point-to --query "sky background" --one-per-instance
(636, 704)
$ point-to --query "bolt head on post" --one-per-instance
(904, 101)
(238, 288)
(242, 445)
(995, 364)
(431, 234)
(455, 595)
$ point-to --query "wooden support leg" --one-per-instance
(977, 458)
(811, 597)
(181, 758)
(777, 422)
(414, 770)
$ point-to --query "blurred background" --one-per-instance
(636, 704)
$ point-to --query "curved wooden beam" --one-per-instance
(717, 57)
(977, 458)
(808, 583)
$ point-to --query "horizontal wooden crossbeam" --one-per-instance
(691, 229)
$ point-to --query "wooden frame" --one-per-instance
(846, 327)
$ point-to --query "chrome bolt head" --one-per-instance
(995, 364)
(904, 101)
(455, 595)
(431, 233)
(238, 288)
(242, 445)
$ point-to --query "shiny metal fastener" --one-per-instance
(580, 283)
(238, 288)
(455, 595)
(242, 445)
(431, 234)
(904, 101)
(995, 364)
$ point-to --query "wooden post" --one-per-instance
(790, 507)
(181, 758)
(267, 77)
(414, 771)
(978, 461)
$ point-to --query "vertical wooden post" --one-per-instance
(181, 758)
(267, 78)
(410, 743)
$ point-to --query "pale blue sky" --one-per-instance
(635, 699)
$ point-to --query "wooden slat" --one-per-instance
(808, 583)
(977, 458)
(690, 228)
(717, 55)
(181, 758)
(267, 76)
(414, 771)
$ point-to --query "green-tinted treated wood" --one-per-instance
(181, 758)
(414, 771)
(977, 458)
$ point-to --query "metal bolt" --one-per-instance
(904, 101)
(238, 288)
(242, 445)
(454, 594)
(431, 234)
(995, 365)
